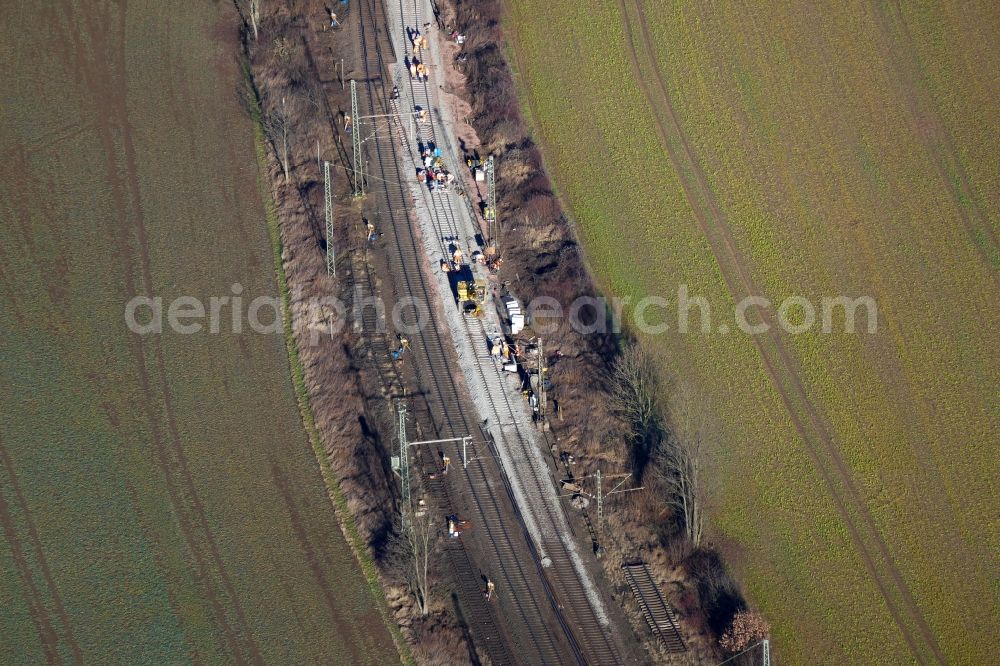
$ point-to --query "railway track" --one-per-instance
(591, 635)
(588, 639)
(441, 409)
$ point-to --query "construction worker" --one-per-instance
(404, 344)
(452, 528)
(371, 231)
(334, 23)
(490, 588)
(446, 461)
(347, 124)
(457, 256)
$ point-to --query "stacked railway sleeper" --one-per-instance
(659, 614)
(442, 412)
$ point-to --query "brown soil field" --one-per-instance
(159, 498)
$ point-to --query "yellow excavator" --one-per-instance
(471, 296)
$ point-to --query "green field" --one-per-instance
(822, 150)
(159, 498)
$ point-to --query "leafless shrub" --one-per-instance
(514, 170)
(439, 642)
(505, 133)
(541, 207)
(283, 50)
(747, 628)
(410, 556)
(719, 596)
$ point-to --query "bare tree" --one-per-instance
(277, 125)
(635, 388)
(674, 440)
(249, 11)
(411, 556)
(253, 14)
(681, 458)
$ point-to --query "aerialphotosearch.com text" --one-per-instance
(685, 313)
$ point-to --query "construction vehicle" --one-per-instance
(471, 296)
(470, 293)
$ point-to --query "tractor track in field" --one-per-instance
(776, 359)
(101, 66)
(36, 603)
(896, 372)
(936, 138)
(312, 556)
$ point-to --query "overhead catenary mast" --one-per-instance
(493, 226)
(331, 255)
(404, 462)
(352, 126)
(601, 496)
(401, 463)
